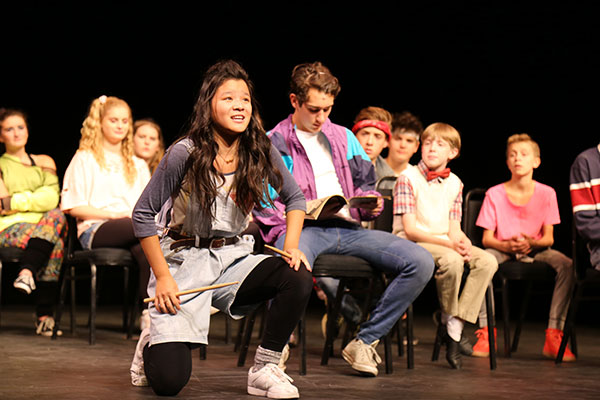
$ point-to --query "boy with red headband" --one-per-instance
(377, 130)
(372, 127)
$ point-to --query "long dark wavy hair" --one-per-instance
(255, 171)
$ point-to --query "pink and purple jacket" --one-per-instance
(353, 167)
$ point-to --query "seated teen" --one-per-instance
(518, 218)
(29, 217)
(326, 159)
(585, 199)
(372, 127)
(404, 141)
(427, 210)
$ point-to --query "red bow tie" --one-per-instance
(431, 175)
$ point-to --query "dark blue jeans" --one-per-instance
(410, 264)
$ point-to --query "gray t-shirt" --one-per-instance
(166, 189)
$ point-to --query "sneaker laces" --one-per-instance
(481, 333)
(371, 352)
(275, 372)
(556, 335)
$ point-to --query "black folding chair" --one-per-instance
(9, 255)
(106, 257)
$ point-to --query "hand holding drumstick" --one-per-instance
(197, 290)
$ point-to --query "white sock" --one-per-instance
(455, 326)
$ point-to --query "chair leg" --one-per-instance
(203, 351)
(73, 305)
(302, 339)
(400, 337)
(491, 327)
(247, 336)
(523, 313)
(568, 330)
(505, 312)
(332, 314)
(227, 329)
(133, 301)
(62, 290)
(410, 350)
(240, 335)
(437, 342)
(387, 344)
(93, 272)
(573, 341)
(126, 273)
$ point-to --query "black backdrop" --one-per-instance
(490, 71)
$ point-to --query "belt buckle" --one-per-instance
(217, 243)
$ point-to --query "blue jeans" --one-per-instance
(411, 265)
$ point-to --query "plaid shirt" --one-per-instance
(404, 197)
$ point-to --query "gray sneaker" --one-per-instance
(362, 357)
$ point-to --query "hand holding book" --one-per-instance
(327, 207)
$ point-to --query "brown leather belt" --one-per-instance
(208, 243)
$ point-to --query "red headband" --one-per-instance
(375, 124)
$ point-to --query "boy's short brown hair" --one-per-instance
(313, 76)
(406, 122)
(523, 137)
(444, 131)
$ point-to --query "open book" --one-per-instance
(327, 207)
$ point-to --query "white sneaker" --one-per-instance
(271, 382)
(138, 376)
(285, 354)
(25, 283)
(362, 357)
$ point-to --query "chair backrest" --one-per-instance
(471, 206)
(72, 240)
(581, 254)
(385, 186)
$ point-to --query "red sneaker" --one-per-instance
(552, 344)
(482, 347)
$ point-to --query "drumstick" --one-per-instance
(276, 250)
(288, 255)
(200, 289)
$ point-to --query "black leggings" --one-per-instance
(168, 366)
(119, 233)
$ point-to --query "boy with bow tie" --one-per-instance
(428, 210)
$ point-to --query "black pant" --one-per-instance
(119, 233)
(168, 366)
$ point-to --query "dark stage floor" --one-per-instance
(34, 367)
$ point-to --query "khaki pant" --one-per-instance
(448, 275)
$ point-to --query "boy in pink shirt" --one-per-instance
(518, 219)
